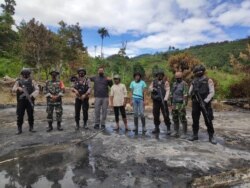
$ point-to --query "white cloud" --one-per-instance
(160, 23)
(233, 14)
(107, 51)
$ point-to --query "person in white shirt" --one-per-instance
(118, 100)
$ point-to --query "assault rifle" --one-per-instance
(27, 95)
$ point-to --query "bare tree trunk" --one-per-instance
(102, 49)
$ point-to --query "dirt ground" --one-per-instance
(121, 159)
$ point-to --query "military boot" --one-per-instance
(156, 130)
(184, 131)
(143, 121)
(193, 137)
(77, 126)
(59, 126)
(85, 125)
(19, 130)
(176, 130)
(50, 127)
(136, 125)
(31, 129)
(168, 130)
(212, 140)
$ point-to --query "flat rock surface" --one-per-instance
(95, 158)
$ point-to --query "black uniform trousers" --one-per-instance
(196, 112)
(22, 105)
(157, 107)
(84, 105)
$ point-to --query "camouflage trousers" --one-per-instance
(179, 114)
(58, 109)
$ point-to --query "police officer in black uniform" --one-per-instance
(26, 90)
(160, 90)
(205, 88)
(82, 89)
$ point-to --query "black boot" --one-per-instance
(19, 130)
(156, 129)
(193, 137)
(31, 129)
(85, 125)
(50, 127)
(96, 126)
(184, 129)
(212, 139)
(59, 126)
(176, 130)
(136, 125)
(168, 129)
(77, 125)
(143, 122)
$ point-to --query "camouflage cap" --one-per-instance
(117, 76)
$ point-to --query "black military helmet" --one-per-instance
(54, 71)
(137, 73)
(199, 68)
(25, 71)
(81, 69)
(160, 72)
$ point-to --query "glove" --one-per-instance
(206, 101)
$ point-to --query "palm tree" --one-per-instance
(103, 32)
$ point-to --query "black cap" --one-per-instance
(54, 71)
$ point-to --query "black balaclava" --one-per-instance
(53, 75)
(81, 74)
(179, 80)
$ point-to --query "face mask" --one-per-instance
(179, 80)
(159, 78)
(26, 76)
(199, 74)
(53, 76)
(81, 75)
(101, 74)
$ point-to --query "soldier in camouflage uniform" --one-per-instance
(178, 97)
(54, 90)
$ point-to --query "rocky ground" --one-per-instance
(118, 159)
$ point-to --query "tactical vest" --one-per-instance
(53, 87)
(161, 92)
(81, 86)
(178, 89)
(27, 83)
(200, 85)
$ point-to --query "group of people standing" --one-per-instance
(163, 96)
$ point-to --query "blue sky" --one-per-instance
(148, 26)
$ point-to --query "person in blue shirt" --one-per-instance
(138, 87)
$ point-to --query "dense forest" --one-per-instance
(31, 44)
